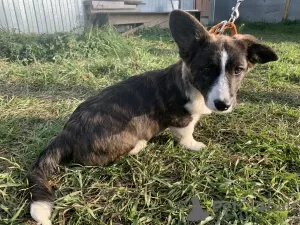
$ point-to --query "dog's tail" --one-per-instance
(46, 165)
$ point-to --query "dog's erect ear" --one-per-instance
(257, 52)
(186, 31)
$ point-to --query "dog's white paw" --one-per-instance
(192, 144)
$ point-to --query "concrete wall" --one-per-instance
(294, 12)
(257, 10)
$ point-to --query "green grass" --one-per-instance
(253, 153)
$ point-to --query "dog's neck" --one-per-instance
(185, 72)
(196, 105)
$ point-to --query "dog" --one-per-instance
(122, 118)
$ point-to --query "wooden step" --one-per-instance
(133, 2)
(127, 1)
(113, 11)
(111, 5)
(112, 2)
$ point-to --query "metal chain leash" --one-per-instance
(219, 28)
(235, 11)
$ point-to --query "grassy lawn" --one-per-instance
(253, 154)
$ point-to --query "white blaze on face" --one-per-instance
(220, 91)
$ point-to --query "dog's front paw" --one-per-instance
(192, 144)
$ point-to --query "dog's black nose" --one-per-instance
(221, 105)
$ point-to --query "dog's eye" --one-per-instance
(238, 70)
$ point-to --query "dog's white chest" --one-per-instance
(196, 106)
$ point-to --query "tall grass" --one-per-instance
(53, 47)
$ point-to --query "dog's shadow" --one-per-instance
(161, 139)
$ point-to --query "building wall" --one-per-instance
(294, 11)
(154, 6)
(50, 16)
(188, 4)
(258, 10)
(41, 16)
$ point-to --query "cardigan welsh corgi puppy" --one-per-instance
(122, 118)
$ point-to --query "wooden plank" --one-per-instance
(126, 2)
(203, 6)
(114, 11)
(133, 2)
(114, 7)
(95, 4)
(148, 20)
(104, 5)
(116, 19)
(132, 31)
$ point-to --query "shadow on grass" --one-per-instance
(290, 99)
(46, 91)
(21, 136)
(159, 51)
(274, 32)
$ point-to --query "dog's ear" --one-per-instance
(257, 52)
(187, 32)
(260, 53)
